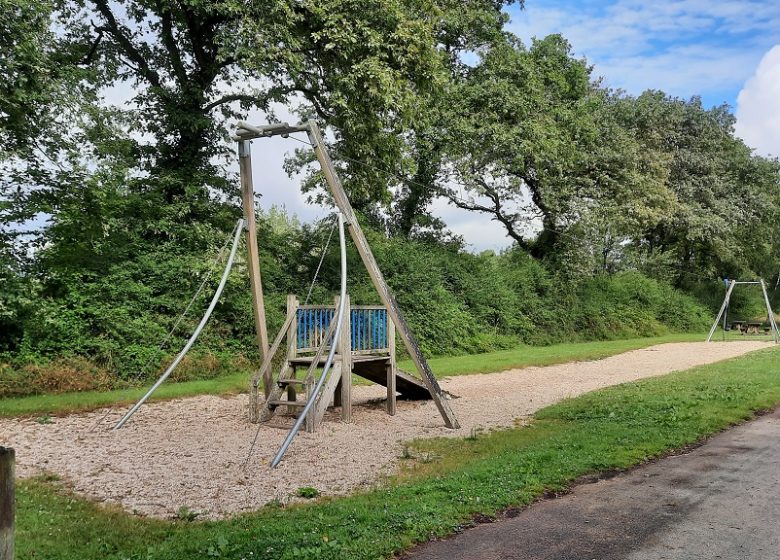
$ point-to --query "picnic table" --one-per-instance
(748, 327)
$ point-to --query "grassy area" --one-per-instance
(523, 356)
(60, 403)
(450, 483)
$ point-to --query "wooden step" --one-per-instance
(299, 404)
(291, 381)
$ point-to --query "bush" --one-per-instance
(56, 376)
(94, 331)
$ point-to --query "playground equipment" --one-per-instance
(195, 334)
(748, 327)
(361, 341)
(357, 339)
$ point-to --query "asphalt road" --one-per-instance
(721, 500)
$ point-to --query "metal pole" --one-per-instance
(339, 318)
(770, 314)
(7, 502)
(722, 310)
(253, 254)
(195, 334)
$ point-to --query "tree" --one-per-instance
(533, 144)
(469, 27)
(725, 198)
(360, 67)
(26, 88)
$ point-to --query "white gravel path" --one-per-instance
(190, 452)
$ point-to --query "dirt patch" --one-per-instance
(191, 452)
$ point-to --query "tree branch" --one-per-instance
(113, 27)
(229, 99)
(170, 44)
(496, 211)
(89, 57)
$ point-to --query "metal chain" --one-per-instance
(183, 314)
(319, 266)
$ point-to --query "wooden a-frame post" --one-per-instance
(385, 294)
(770, 314)
(253, 255)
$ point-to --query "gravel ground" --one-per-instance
(191, 452)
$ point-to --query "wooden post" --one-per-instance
(7, 503)
(391, 367)
(253, 256)
(385, 294)
(345, 353)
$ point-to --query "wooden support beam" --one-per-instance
(392, 368)
(722, 309)
(7, 502)
(770, 314)
(385, 294)
(253, 255)
(328, 390)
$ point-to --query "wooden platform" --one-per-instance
(374, 368)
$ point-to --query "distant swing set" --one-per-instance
(327, 343)
(743, 326)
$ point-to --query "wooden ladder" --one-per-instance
(335, 390)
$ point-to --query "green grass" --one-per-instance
(614, 428)
(60, 403)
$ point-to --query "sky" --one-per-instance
(725, 51)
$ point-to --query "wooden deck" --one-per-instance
(374, 368)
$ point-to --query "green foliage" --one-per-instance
(187, 514)
(614, 428)
(725, 198)
(90, 331)
(307, 492)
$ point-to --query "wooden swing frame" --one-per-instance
(722, 312)
(245, 133)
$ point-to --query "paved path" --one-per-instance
(721, 500)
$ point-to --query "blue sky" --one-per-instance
(684, 47)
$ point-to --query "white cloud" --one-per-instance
(758, 106)
(684, 47)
